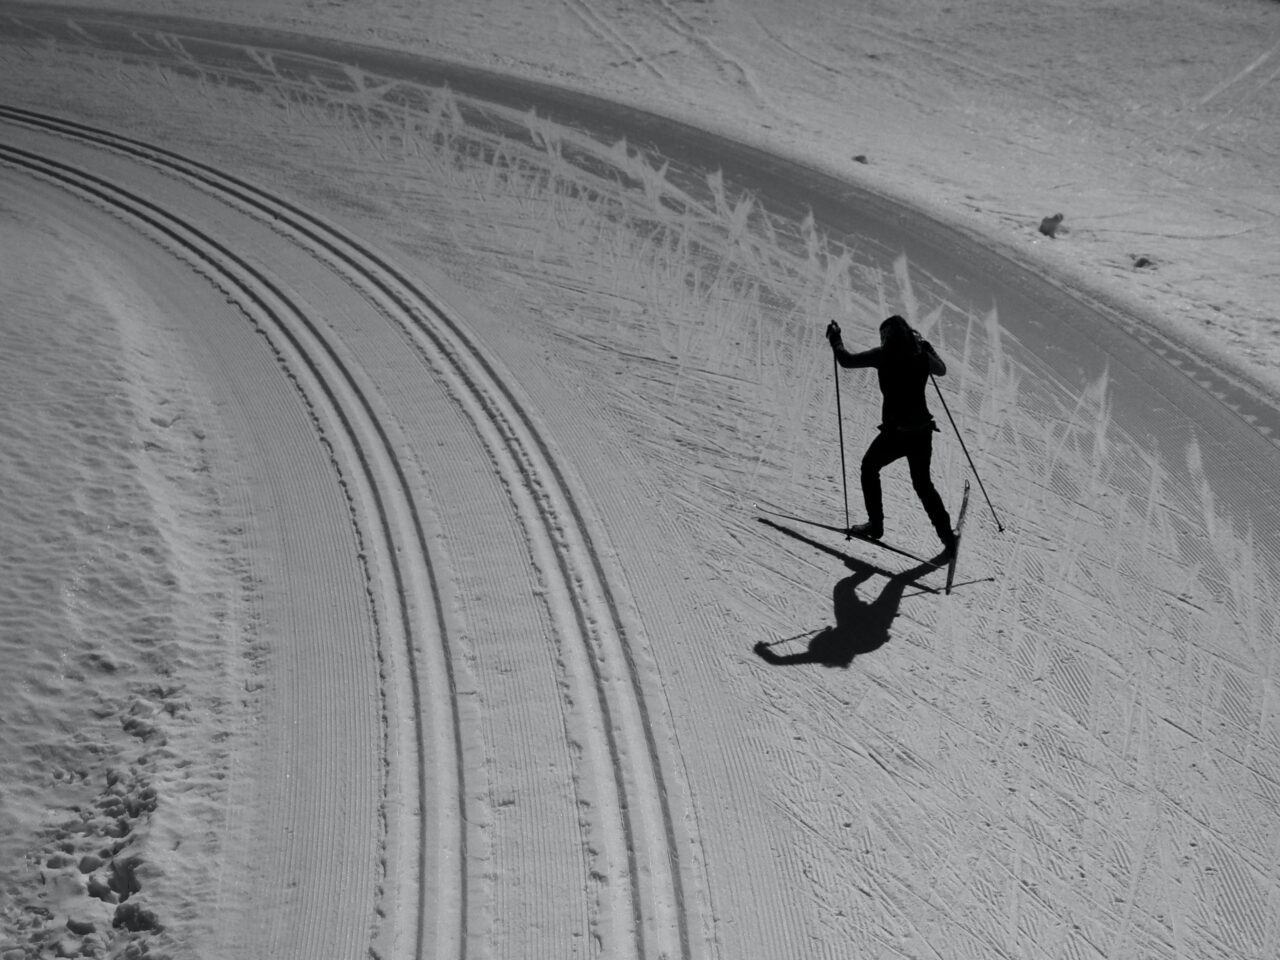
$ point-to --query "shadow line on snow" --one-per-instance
(861, 626)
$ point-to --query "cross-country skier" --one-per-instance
(903, 362)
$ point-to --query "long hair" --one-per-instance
(896, 336)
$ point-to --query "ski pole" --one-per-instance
(778, 643)
(844, 474)
(981, 485)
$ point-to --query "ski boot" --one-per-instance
(949, 542)
(871, 530)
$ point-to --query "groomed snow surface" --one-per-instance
(383, 565)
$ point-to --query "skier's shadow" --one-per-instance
(861, 626)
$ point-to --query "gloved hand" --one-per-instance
(833, 336)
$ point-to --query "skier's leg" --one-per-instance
(920, 458)
(882, 452)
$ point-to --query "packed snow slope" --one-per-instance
(432, 432)
(1152, 125)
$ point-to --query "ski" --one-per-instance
(846, 534)
(955, 550)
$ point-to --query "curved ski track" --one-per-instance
(636, 849)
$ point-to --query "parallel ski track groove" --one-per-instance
(163, 222)
(419, 309)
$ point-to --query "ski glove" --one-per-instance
(833, 336)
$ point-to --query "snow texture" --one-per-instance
(380, 572)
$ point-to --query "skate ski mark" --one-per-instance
(600, 27)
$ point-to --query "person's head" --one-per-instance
(896, 335)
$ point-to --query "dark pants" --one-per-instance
(917, 447)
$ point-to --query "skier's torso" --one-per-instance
(903, 378)
(902, 381)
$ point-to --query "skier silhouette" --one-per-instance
(903, 363)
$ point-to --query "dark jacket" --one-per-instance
(903, 371)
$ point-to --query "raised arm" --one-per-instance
(866, 358)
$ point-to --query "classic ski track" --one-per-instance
(553, 518)
(320, 375)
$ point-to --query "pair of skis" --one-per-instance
(950, 560)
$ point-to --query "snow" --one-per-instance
(337, 629)
(1153, 127)
(115, 589)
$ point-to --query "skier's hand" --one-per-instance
(833, 336)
